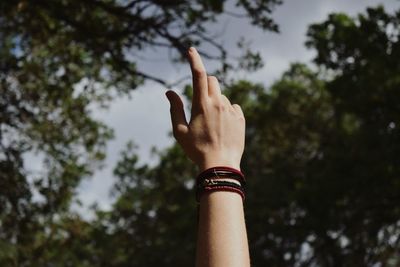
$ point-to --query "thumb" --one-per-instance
(178, 118)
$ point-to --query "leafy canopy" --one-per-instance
(58, 60)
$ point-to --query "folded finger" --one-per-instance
(238, 110)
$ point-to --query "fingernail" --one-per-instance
(192, 49)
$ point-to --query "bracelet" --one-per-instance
(221, 172)
(214, 179)
(215, 188)
(210, 185)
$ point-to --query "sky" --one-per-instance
(144, 117)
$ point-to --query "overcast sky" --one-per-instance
(145, 117)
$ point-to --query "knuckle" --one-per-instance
(182, 129)
(219, 106)
(200, 72)
(225, 99)
(177, 132)
(213, 78)
(236, 106)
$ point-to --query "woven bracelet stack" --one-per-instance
(220, 179)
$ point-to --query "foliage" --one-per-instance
(59, 59)
(321, 159)
(321, 147)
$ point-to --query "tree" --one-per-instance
(58, 59)
(360, 55)
(321, 156)
(321, 160)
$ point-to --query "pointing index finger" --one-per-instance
(199, 74)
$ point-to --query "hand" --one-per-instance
(215, 134)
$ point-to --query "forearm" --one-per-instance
(214, 136)
(222, 238)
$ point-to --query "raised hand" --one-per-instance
(215, 134)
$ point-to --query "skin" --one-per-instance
(213, 137)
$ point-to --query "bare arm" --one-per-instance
(222, 239)
(213, 137)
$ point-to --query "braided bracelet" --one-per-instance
(214, 179)
(221, 172)
(214, 185)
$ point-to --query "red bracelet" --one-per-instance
(223, 171)
(209, 180)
